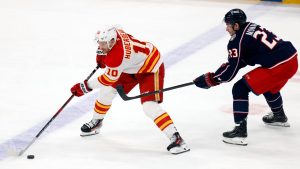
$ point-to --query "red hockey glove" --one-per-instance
(80, 89)
(100, 59)
(205, 81)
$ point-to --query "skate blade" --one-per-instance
(236, 141)
(83, 134)
(280, 124)
(178, 150)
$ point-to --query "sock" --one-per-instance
(274, 101)
(240, 93)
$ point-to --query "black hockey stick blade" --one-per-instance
(125, 97)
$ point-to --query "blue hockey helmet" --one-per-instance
(235, 16)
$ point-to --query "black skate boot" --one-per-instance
(177, 145)
(276, 119)
(91, 128)
(238, 135)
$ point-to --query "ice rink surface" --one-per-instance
(47, 46)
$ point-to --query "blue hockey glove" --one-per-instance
(205, 81)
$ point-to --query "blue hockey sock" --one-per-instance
(274, 101)
(240, 93)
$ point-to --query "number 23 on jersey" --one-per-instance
(233, 53)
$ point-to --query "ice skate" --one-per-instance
(237, 136)
(91, 128)
(276, 119)
(177, 145)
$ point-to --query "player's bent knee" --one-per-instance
(240, 90)
(107, 94)
(152, 109)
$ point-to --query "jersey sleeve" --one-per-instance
(227, 71)
(108, 78)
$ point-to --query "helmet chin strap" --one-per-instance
(109, 45)
(235, 30)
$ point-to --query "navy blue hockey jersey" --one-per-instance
(253, 45)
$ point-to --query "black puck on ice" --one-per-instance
(30, 157)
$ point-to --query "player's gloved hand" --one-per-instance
(205, 81)
(100, 59)
(80, 89)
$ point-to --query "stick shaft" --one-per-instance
(125, 97)
(54, 116)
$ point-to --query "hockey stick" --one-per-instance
(56, 114)
(123, 95)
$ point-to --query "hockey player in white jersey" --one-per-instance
(129, 62)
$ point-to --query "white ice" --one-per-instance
(47, 46)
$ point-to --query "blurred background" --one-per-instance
(47, 46)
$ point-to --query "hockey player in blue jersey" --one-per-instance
(250, 44)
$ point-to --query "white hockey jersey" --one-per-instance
(128, 55)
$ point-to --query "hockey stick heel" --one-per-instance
(122, 93)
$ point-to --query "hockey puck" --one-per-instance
(30, 157)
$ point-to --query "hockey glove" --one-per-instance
(80, 89)
(205, 81)
(100, 59)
